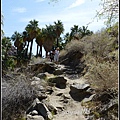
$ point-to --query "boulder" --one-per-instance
(41, 108)
(79, 91)
(59, 81)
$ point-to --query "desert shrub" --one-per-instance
(73, 46)
(101, 58)
(103, 75)
(16, 98)
(72, 53)
(100, 43)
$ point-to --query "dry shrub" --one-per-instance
(100, 44)
(101, 58)
(74, 46)
(16, 99)
(71, 47)
(103, 76)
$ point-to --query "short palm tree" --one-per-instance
(83, 31)
(74, 32)
(18, 41)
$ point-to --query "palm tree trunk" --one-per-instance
(37, 50)
(57, 42)
(31, 49)
(27, 49)
(46, 54)
(40, 50)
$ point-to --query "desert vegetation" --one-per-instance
(100, 56)
(94, 55)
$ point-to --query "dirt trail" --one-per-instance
(68, 108)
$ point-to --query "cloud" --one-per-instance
(20, 10)
(76, 3)
(39, 0)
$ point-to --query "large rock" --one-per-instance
(80, 91)
(35, 69)
(41, 108)
(59, 81)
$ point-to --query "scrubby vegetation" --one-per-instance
(100, 56)
(17, 97)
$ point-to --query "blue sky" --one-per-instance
(18, 13)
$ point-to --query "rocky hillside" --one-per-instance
(46, 91)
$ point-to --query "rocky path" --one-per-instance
(69, 108)
(65, 105)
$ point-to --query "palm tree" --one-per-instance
(26, 39)
(74, 32)
(39, 40)
(58, 30)
(32, 29)
(66, 38)
(18, 41)
(49, 38)
(84, 31)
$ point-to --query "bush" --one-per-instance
(16, 98)
(103, 75)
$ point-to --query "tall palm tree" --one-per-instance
(32, 29)
(39, 40)
(49, 38)
(58, 30)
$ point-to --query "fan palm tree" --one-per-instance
(66, 38)
(26, 39)
(58, 30)
(18, 41)
(74, 32)
(84, 31)
(32, 29)
(49, 38)
(39, 40)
